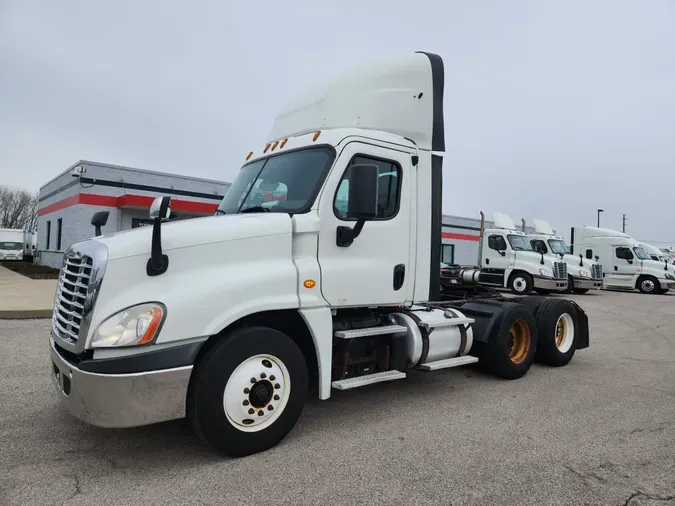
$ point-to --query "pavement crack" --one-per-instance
(77, 486)
(586, 476)
(651, 497)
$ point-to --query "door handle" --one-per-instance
(399, 276)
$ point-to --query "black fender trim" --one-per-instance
(181, 355)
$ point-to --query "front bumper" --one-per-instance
(667, 284)
(555, 285)
(120, 400)
(587, 283)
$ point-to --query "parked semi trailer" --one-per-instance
(583, 274)
(506, 260)
(231, 320)
(625, 264)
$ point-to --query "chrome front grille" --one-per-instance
(596, 271)
(560, 270)
(78, 285)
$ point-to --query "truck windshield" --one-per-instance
(518, 243)
(557, 247)
(284, 183)
(641, 254)
(11, 245)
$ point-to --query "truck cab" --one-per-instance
(318, 272)
(626, 265)
(582, 274)
(508, 260)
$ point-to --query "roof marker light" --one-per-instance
(316, 135)
(249, 155)
(267, 146)
(283, 143)
(274, 145)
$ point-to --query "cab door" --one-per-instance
(375, 268)
(624, 269)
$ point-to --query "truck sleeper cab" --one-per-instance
(319, 272)
(583, 274)
(625, 264)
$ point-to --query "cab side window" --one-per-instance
(624, 253)
(589, 254)
(539, 246)
(497, 243)
(389, 188)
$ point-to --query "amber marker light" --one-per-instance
(309, 283)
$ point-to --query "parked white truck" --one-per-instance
(29, 246)
(230, 320)
(626, 265)
(11, 244)
(582, 274)
(506, 260)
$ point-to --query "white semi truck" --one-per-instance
(625, 264)
(11, 244)
(583, 274)
(506, 260)
(229, 321)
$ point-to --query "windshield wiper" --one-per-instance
(255, 209)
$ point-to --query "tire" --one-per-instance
(664, 291)
(648, 284)
(241, 370)
(570, 284)
(532, 303)
(581, 290)
(542, 291)
(510, 350)
(558, 330)
(520, 283)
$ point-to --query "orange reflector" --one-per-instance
(316, 135)
(274, 145)
(309, 283)
(156, 314)
(249, 155)
(267, 146)
(283, 143)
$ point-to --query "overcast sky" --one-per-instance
(553, 108)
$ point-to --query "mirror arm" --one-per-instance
(158, 263)
(542, 258)
(346, 235)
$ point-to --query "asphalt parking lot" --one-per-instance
(599, 431)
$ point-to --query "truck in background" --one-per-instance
(506, 260)
(29, 246)
(625, 264)
(583, 274)
(231, 320)
(11, 244)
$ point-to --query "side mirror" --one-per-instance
(99, 219)
(597, 258)
(363, 191)
(156, 210)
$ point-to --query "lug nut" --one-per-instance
(270, 407)
(276, 397)
(261, 413)
(263, 375)
(252, 380)
(272, 378)
(277, 386)
(251, 411)
(246, 390)
(245, 403)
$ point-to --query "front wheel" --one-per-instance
(520, 283)
(248, 392)
(648, 284)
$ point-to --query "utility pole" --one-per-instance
(624, 223)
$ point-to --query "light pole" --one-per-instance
(599, 211)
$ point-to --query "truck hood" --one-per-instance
(533, 256)
(195, 232)
(574, 260)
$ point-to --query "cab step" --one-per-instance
(449, 362)
(371, 331)
(368, 379)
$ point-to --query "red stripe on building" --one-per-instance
(460, 237)
(127, 200)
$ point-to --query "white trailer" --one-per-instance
(582, 274)
(626, 265)
(11, 244)
(29, 246)
(231, 320)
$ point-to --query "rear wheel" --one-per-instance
(511, 348)
(558, 330)
(521, 283)
(648, 284)
(248, 392)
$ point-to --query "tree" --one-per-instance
(18, 208)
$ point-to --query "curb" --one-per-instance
(24, 314)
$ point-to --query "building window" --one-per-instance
(448, 254)
(389, 188)
(59, 223)
(49, 230)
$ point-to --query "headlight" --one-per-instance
(545, 272)
(670, 276)
(584, 274)
(130, 327)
